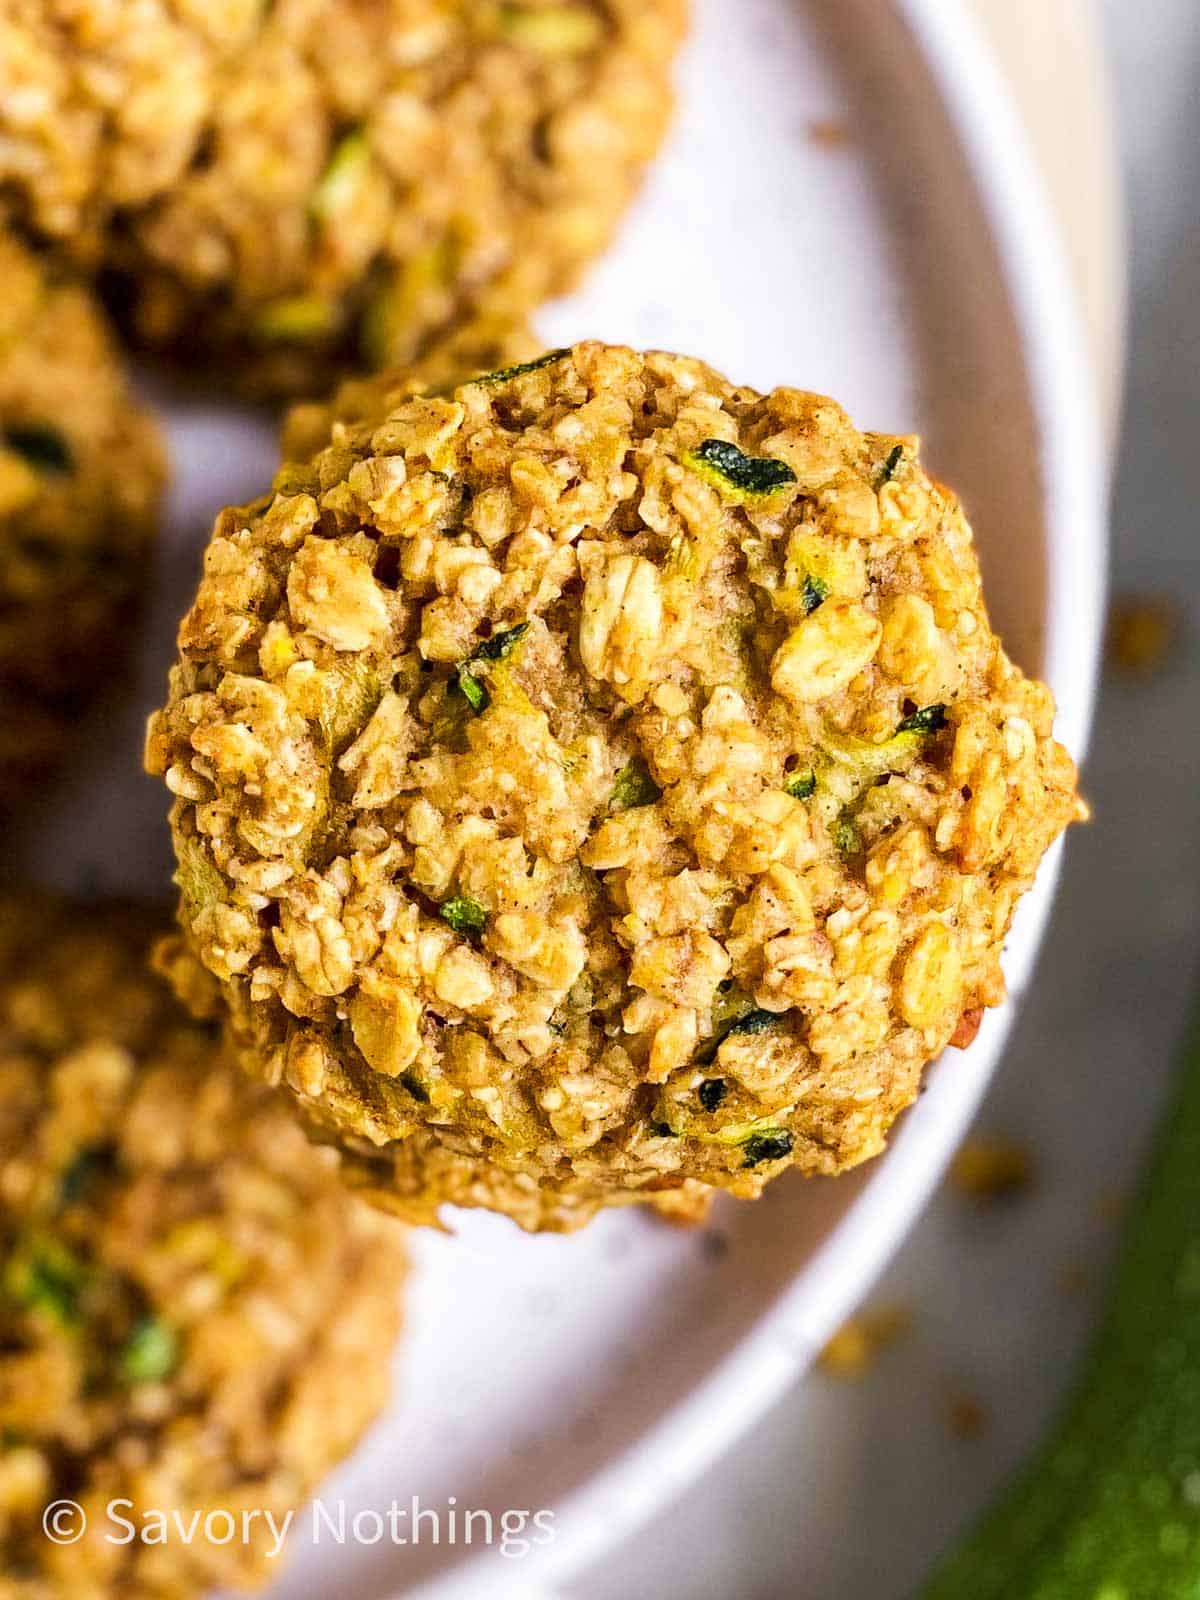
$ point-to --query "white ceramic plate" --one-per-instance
(846, 204)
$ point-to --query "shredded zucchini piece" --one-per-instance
(895, 457)
(712, 1092)
(415, 1087)
(814, 593)
(501, 645)
(634, 787)
(555, 31)
(295, 319)
(151, 1352)
(45, 1275)
(751, 1021)
(737, 474)
(521, 369)
(498, 648)
(772, 1144)
(347, 167)
(464, 915)
(930, 719)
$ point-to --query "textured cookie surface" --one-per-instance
(319, 179)
(81, 478)
(195, 1315)
(600, 780)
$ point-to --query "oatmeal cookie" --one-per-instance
(273, 189)
(81, 479)
(195, 1314)
(601, 780)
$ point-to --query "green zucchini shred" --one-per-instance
(347, 165)
(867, 762)
(45, 1275)
(755, 1020)
(295, 319)
(895, 457)
(772, 1144)
(732, 471)
(712, 1092)
(501, 645)
(415, 1087)
(498, 648)
(847, 838)
(930, 719)
(557, 31)
(521, 369)
(199, 882)
(91, 1164)
(150, 1353)
(41, 445)
(351, 689)
(802, 785)
(814, 593)
(634, 787)
(472, 690)
(464, 915)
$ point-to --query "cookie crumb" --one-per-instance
(1074, 1278)
(862, 1339)
(1142, 633)
(830, 133)
(966, 1416)
(715, 1246)
(967, 1032)
(991, 1168)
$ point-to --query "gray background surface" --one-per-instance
(849, 1490)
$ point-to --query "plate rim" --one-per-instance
(645, 1477)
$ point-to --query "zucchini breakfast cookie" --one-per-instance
(600, 781)
(195, 1314)
(81, 479)
(322, 181)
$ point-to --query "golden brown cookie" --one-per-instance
(600, 780)
(274, 190)
(81, 481)
(195, 1315)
